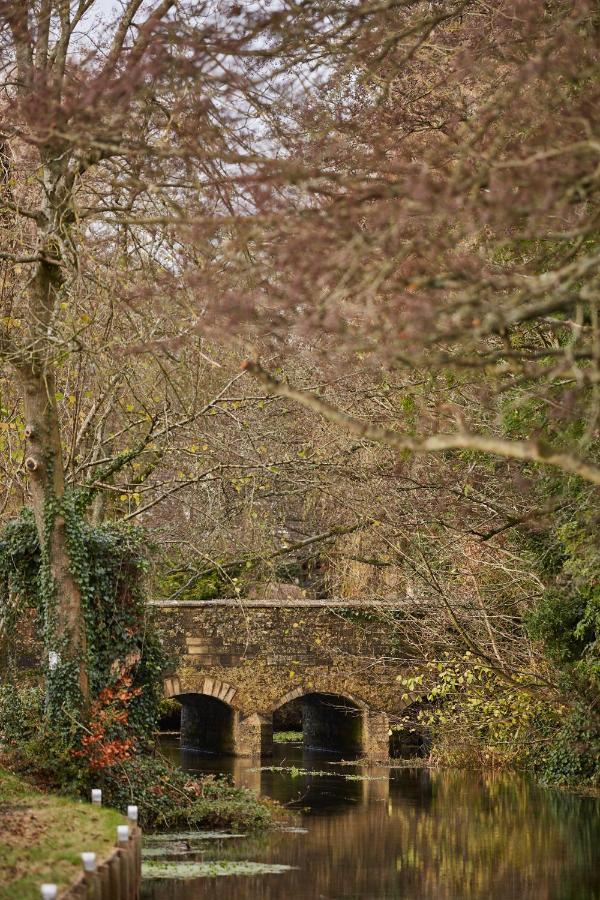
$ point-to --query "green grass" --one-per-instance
(42, 835)
(284, 737)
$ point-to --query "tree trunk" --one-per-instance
(44, 465)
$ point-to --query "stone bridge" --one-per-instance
(239, 668)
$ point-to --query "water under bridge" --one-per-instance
(240, 668)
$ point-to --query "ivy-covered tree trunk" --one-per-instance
(64, 625)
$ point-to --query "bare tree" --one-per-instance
(454, 203)
(113, 133)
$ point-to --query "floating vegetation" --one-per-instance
(364, 777)
(416, 762)
(296, 772)
(411, 762)
(158, 838)
(180, 870)
(172, 849)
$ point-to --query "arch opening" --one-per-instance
(169, 720)
(207, 724)
(327, 722)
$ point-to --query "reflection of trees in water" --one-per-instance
(430, 835)
(496, 836)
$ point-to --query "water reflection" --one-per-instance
(411, 834)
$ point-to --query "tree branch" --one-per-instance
(530, 451)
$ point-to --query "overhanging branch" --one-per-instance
(529, 451)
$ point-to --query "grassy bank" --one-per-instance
(42, 835)
(170, 798)
(287, 737)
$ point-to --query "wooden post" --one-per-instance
(104, 881)
(88, 881)
(114, 877)
(92, 886)
(137, 837)
(125, 893)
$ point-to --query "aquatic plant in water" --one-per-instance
(296, 772)
(166, 837)
(180, 870)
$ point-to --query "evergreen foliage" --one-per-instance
(109, 562)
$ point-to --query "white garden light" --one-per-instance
(49, 891)
(132, 813)
(89, 861)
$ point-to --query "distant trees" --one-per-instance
(116, 132)
(447, 243)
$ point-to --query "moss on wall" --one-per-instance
(264, 653)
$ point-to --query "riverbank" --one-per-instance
(42, 836)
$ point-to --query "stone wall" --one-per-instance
(255, 657)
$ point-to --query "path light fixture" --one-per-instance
(49, 891)
(89, 861)
(132, 814)
(96, 796)
(122, 834)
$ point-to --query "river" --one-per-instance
(415, 834)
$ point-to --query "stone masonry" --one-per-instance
(236, 662)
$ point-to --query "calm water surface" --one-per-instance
(410, 834)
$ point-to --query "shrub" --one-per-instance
(566, 746)
(21, 711)
(479, 718)
(170, 798)
(167, 796)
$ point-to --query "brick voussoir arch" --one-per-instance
(210, 687)
(302, 691)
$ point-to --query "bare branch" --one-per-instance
(530, 451)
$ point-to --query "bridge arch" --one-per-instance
(207, 723)
(213, 721)
(208, 717)
(330, 720)
(300, 692)
(208, 687)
